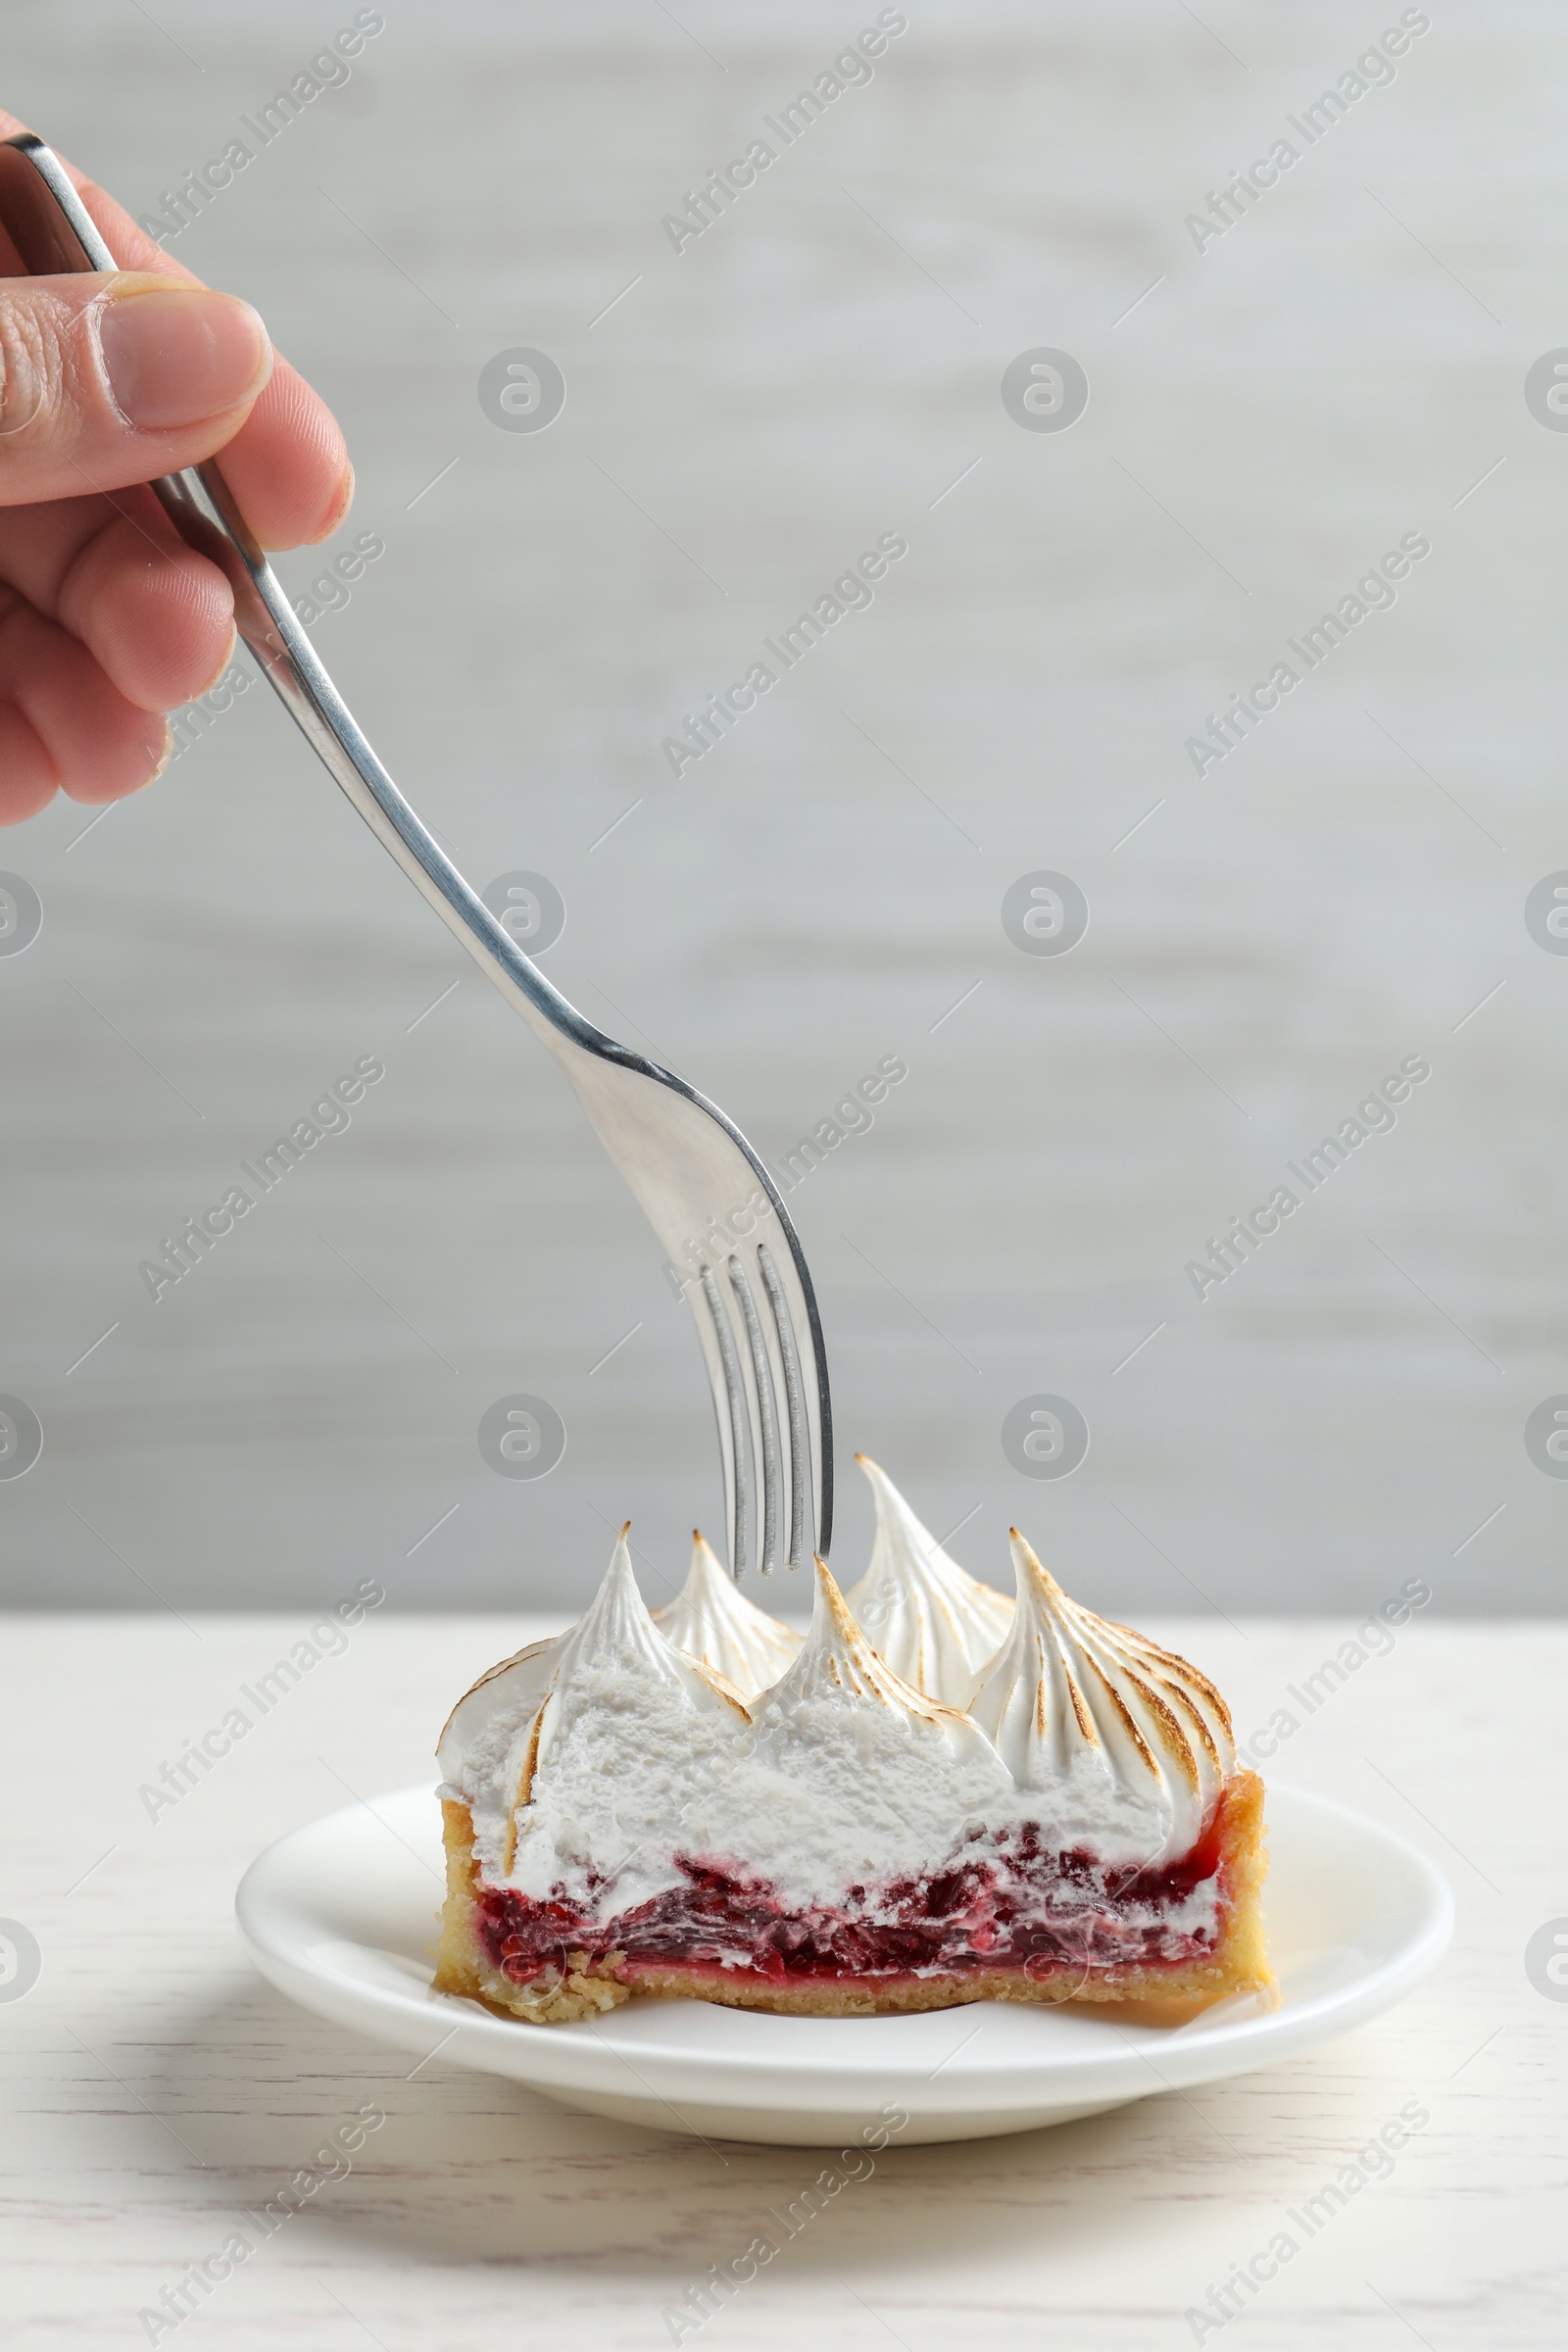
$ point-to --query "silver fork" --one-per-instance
(708, 1197)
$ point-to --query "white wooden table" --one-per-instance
(156, 2086)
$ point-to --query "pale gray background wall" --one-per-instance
(1339, 369)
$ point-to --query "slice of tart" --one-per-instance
(570, 1773)
(622, 1817)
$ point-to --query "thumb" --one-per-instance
(112, 377)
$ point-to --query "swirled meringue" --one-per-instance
(478, 1751)
(713, 1620)
(1100, 1723)
(878, 1779)
(849, 1774)
(932, 1621)
(548, 1747)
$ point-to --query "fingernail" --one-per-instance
(342, 500)
(167, 753)
(177, 354)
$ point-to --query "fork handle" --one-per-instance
(54, 236)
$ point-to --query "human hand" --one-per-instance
(107, 619)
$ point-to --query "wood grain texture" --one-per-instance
(155, 2084)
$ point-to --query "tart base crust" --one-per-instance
(588, 1988)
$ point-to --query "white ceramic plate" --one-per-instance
(341, 1916)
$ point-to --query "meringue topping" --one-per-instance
(615, 1643)
(839, 1670)
(598, 1701)
(601, 1767)
(1088, 1711)
(478, 1751)
(855, 1775)
(635, 1755)
(713, 1620)
(927, 1618)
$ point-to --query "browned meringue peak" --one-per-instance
(1072, 1696)
(927, 1618)
(713, 1620)
(838, 1672)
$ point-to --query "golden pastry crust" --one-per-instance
(587, 1988)
(557, 1997)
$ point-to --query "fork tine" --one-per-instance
(703, 1187)
(802, 1534)
(738, 1453)
(765, 1425)
(804, 1383)
(767, 1414)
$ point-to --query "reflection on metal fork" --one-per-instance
(690, 1168)
(758, 1432)
(770, 1419)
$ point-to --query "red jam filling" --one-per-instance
(1010, 1906)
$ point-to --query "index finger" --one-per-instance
(287, 465)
